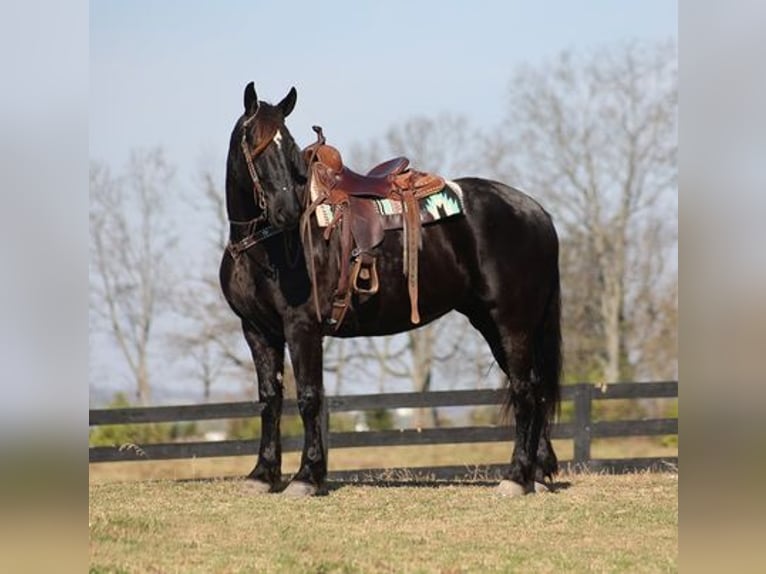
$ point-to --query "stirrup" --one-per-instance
(365, 269)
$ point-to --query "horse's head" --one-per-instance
(265, 170)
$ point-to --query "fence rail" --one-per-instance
(581, 430)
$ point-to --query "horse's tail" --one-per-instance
(547, 356)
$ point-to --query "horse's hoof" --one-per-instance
(253, 486)
(510, 488)
(298, 489)
(541, 487)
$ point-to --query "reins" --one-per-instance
(310, 207)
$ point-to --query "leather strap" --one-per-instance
(342, 298)
(411, 246)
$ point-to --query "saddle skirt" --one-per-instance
(446, 202)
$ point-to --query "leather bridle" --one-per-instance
(253, 234)
(260, 195)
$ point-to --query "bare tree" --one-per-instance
(212, 336)
(653, 297)
(131, 284)
(448, 145)
(597, 137)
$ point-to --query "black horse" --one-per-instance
(497, 264)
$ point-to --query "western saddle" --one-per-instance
(351, 196)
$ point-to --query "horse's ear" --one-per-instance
(288, 103)
(251, 99)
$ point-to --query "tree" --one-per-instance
(596, 136)
(212, 335)
(130, 241)
(445, 144)
(653, 295)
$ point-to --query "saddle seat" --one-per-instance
(386, 180)
(393, 166)
(331, 157)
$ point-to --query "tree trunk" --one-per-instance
(421, 343)
(612, 336)
(142, 378)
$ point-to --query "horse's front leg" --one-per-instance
(269, 359)
(304, 342)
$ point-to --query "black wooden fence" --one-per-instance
(581, 430)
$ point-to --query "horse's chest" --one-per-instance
(246, 290)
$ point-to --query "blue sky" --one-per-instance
(172, 74)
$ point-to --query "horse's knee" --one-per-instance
(271, 389)
(309, 401)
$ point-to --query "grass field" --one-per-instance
(592, 523)
(143, 519)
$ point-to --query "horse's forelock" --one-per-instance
(267, 123)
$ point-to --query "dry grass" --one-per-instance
(362, 458)
(596, 524)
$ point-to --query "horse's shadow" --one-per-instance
(335, 485)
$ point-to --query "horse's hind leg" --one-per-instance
(528, 408)
(533, 457)
(547, 463)
(269, 359)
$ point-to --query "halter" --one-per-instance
(260, 196)
(254, 235)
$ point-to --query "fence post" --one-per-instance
(582, 423)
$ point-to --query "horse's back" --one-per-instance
(498, 205)
(505, 218)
